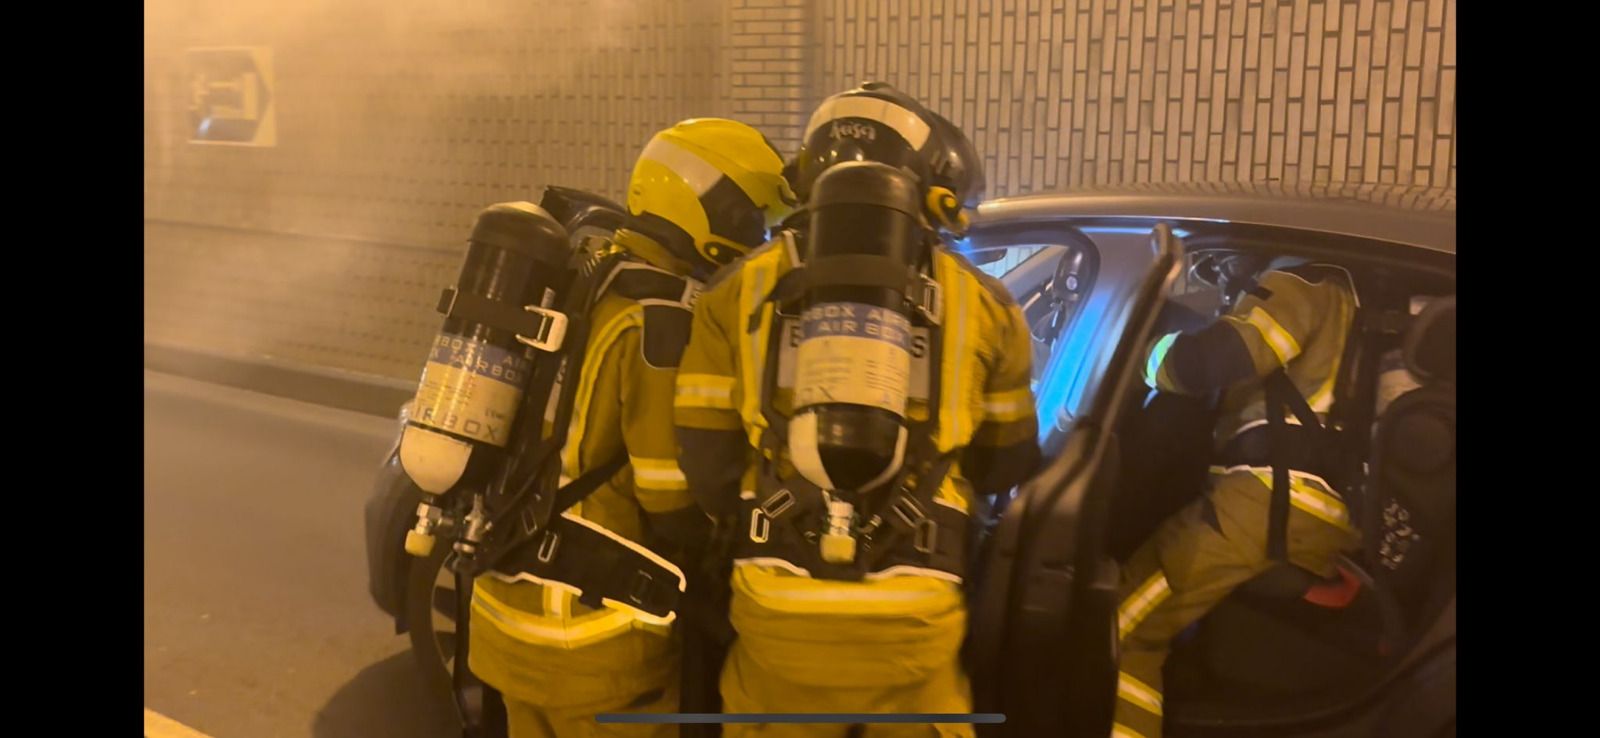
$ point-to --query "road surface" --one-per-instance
(257, 619)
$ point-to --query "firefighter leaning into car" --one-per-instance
(1273, 491)
(701, 195)
(846, 470)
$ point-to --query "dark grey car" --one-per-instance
(1098, 273)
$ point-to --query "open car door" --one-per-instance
(1043, 625)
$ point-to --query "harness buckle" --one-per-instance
(778, 503)
(929, 299)
(908, 511)
(760, 526)
(926, 538)
(641, 587)
(548, 546)
(552, 329)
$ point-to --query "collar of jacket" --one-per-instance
(651, 252)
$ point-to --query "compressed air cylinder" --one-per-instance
(853, 364)
(476, 373)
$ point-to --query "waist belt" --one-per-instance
(905, 528)
(605, 569)
(1304, 450)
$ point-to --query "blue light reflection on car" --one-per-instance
(962, 246)
(1085, 345)
(1063, 383)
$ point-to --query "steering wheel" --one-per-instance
(1061, 295)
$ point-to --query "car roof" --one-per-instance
(1421, 217)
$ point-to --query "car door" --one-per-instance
(1042, 645)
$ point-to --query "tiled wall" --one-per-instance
(769, 42)
(1062, 93)
(397, 120)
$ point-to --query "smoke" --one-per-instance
(396, 122)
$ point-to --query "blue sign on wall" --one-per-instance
(230, 96)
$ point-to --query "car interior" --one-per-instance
(1289, 645)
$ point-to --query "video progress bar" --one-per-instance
(816, 718)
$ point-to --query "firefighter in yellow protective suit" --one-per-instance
(813, 635)
(702, 193)
(1276, 353)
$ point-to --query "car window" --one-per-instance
(1081, 346)
(1014, 256)
(1050, 270)
(1075, 286)
(1186, 283)
(1048, 281)
(1192, 298)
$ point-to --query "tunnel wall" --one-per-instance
(397, 120)
(1063, 94)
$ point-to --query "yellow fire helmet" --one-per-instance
(708, 189)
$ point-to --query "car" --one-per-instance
(1097, 273)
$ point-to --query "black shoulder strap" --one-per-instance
(1280, 393)
(906, 509)
(1293, 400)
(532, 501)
(1278, 505)
(775, 437)
(668, 301)
(528, 450)
(530, 534)
(785, 292)
(526, 487)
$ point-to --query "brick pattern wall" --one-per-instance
(398, 120)
(1063, 93)
(769, 41)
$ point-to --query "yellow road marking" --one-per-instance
(157, 725)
